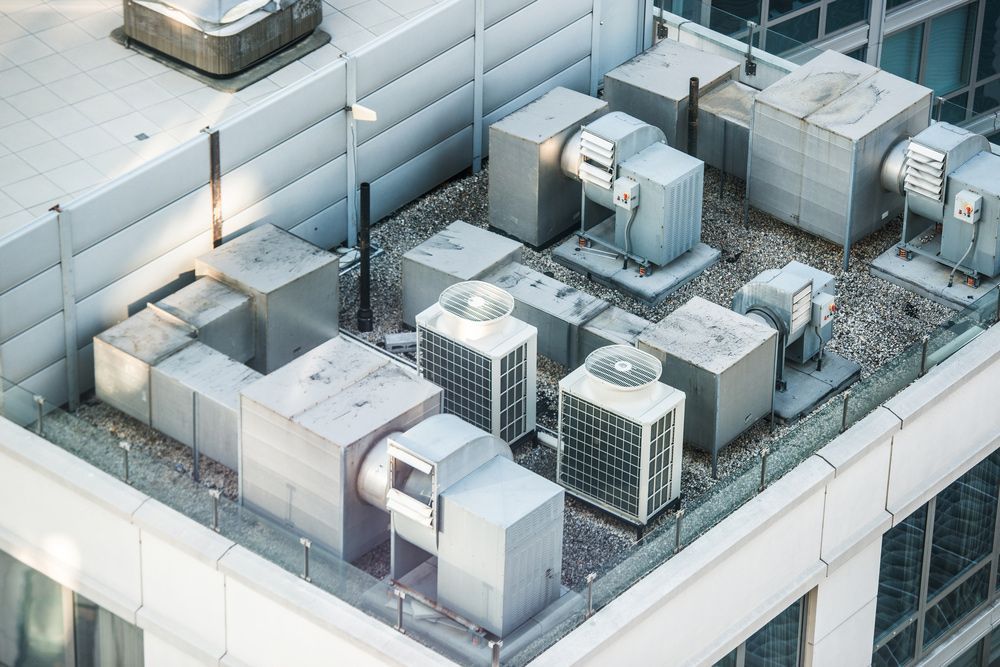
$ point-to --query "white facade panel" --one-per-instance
(850, 643)
(846, 591)
(160, 652)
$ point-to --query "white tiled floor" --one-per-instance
(73, 102)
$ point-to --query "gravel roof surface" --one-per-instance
(876, 321)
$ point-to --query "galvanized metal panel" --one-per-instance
(29, 303)
(722, 361)
(141, 243)
(326, 229)
(724, 127)
(613, 326)
(222, 316)
(398, 100)
(110, 208)
(497, 10)
(420, 132)
(295, 287)
(424, 172)
(458, 252)
(285, 113)
(528, 26)
(28, 251)
(979, 175)
(288, 161)
(536, 64)
(33, 350)
(294, 203)
(424, 37)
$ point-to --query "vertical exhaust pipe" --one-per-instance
(364, 248)
(692, 147)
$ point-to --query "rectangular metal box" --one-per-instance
(196, 400)
(530, 197)
(668, 221)
(724, 127)
(724, 362)
(222, 316)
(557, 310)
(305, 430)
(124, 354)
(820, 135)
(458, 252)
(295, 289)
(654, 86)
(613, 326)
(500, 545)
(980, 175)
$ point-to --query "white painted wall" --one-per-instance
(817, 531)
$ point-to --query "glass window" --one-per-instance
(899, 650)
(954, 109)
(964, 519)
(844, 13)
(951, 39)
(899, 573)
(901, 52)
(971, 658)
(892, 4)
(859, 54)
(989, 45)
(987, 97)
(956, 605)
(731, 16)
(788, 35)
(102, 638)
(778, 8)
(32, 630)
(777, 644)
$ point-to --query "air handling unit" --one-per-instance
(219, 37)
(469, 345)
(818, 141)
(951, 182)
(620, 434)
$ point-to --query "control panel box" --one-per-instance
(626, 193)
(968, 206)
(824, 306)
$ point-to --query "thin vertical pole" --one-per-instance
(66, 265)
(364, 248)
(478, 64)
(215, 183)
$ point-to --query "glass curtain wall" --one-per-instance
(938, 567)
(43, 624)
(777, 644)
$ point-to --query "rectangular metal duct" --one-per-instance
(820, 135)
(295, 290)
(654, 86)
(124, 354)
(305, 430)
(724, 362)
(196, 400)
(724, 127)
(530, 197)
(980, 175)
(222, 316)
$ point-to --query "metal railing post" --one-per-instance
(843, 416)
(590, 594)
(495, 649)
(677, 530)
(923, 355)
(126, 448)
(764, 453)
(215, 494)
(40, 404)
(400, 596)
(306, 543)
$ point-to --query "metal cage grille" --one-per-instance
(661, 456)
(600, 454)
(513, 394)
(464, 375)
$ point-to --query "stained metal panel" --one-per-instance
(222, 316)
(195, 400)
(724, 127)
(294, 285)
(612, 326)
(500, 548)
(981, 175)
(724, 362)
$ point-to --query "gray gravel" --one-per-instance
(876, 321)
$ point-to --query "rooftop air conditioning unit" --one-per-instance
(469, 345)
(620, 434)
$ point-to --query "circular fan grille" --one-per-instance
(623, 367)
(476, 301)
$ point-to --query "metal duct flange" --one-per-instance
(894, 167)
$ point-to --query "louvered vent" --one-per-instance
(925, 171)
(801, 309)
(598, 162)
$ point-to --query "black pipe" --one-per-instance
(693, 118)
(364, 248)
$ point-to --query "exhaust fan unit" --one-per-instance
(469, 345)
(620, 434)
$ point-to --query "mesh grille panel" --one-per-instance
(513, 401)
(464, 375)
(661, 456)
(600, 454)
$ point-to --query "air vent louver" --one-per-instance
(925, 171)
(598, 162)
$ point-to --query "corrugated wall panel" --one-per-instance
(117, 204)
(542, 61)
(424, 38)
(288, 161)
(520, 31)
(416, 134)
(288, 111)
(416, 90)
(29, 251)
(136, 246)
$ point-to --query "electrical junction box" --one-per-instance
(968, 206)
(626, 193)
(824, 306)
